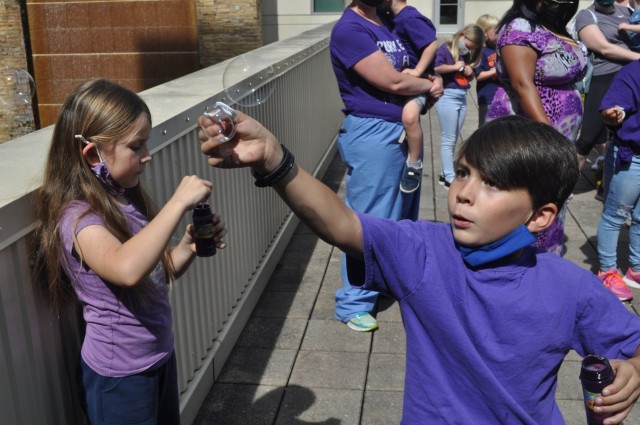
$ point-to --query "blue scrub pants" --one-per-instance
(375, 160)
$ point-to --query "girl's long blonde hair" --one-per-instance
(472, 33)
(102, 112)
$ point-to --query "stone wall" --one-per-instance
(228, 28)
(16, 118)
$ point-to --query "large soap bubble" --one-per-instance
(16, 87)
(248, 80)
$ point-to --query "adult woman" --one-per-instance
(367, 59)
(538, 64)
(597, 27)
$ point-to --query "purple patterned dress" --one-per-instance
(558, 67)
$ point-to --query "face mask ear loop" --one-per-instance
(81, 137)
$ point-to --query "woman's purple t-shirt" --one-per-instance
(119, 341)
(353, 38)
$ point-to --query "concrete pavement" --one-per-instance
(294, 364)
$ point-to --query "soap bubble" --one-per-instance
(248, 80)
(16, 87)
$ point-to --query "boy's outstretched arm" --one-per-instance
(621, 395)
(313, 202)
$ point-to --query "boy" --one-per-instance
(418, 35)
(488, 318)
(486, 79)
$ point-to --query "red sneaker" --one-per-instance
(612, 280)
(632, 279)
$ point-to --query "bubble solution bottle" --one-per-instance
(203, 230)
(595, 374)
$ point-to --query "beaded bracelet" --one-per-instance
(285, 166)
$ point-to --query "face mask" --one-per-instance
(476, 256)
(605, 3)
(102, 172)
(556, 14)
(463, 50)
(372, 3)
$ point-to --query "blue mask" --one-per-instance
(477, 256)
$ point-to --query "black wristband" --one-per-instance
(285, 166)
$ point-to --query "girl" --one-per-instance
(486, 79)
(455, 61)
(98, 239)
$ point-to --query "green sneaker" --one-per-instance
(363, 322)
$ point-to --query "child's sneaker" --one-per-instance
(410, 179)
(613, 281)
(597, 162)
(363, 322)
(632, 279)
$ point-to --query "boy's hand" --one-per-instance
(624, 26)
(613, 116)
(252, 146)
(621, 395)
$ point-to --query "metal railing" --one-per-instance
(213, 300)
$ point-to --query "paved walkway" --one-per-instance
(294, 364)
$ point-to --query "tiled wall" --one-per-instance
(138, 44)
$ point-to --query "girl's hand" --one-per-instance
(191, 191)
(624, 26)
(219, 232)
(252, 146)
(621, 395)
(468, 72)
(459, 64)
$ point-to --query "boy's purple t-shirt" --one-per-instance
(416, 32)
(353, 38)
(484, 346)
(118, 341)
(450, 80)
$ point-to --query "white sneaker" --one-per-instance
(596, 163)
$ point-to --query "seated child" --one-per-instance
(488, 317)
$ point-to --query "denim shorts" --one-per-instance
(146, 398)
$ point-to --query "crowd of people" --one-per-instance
(101, 242)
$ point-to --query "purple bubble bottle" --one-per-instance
(596, 373)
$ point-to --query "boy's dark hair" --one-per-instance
(514, 152)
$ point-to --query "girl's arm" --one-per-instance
(595, 40)
(313, 202)
(447, 69)
(377, 70)
(520, 64)
(126, 264)
(486, 75)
